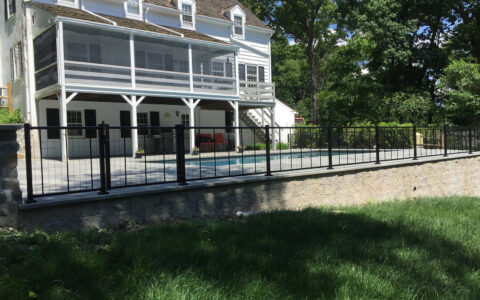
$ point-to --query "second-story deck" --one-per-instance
(89, 57)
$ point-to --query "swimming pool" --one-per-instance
(258, 159)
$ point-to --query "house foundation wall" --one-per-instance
(355, 185)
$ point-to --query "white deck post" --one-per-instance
(236, 109)
(63, 123)
(191, 104)
(192, 124)
(190, 66)
(133, 116)
(132, 61)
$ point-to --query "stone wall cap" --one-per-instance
(11, 126)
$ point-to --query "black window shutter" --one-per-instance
(241, 72)
(154, 121)
(5, 3)
(53, 119)
(261, 74)
(14, 6)
(229, 118)
(90, 120)
(125, 121)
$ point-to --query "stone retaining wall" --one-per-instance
(10, 194)
(286, 191)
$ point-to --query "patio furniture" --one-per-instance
(220, 143)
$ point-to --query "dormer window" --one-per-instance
(238, 20)
(187, 15)
(70, 3)
(133, 9)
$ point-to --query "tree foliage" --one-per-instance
(347, 61)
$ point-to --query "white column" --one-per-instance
(237, 125)
(236, 111)
(190, 66)
(133, 116)
(132, 61)
(63, 122)
(192, 123)
(30, 67)
(237, 75)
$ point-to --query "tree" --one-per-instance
(460, 91)
(309, 23)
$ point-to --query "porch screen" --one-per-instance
(213, 69)
(45, 52)
(161, 64)
(95, 56)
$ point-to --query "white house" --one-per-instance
(138, 63)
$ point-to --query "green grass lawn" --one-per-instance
(412, 249)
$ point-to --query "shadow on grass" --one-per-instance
(309, 254)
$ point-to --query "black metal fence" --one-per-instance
(63, 160)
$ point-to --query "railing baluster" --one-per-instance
(28, 163)
(377, 144)
(179, 134)
(267, 152)
(330, 148)
(101, 150)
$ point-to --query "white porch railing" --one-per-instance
(96, 74)
(257, 91)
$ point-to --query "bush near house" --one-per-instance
(14, 118)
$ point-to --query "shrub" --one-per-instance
(14, 118)
(392, 135)
(257, 146)
(283, 146)
(308, 136)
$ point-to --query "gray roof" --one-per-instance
(215, 9)
(79, 14)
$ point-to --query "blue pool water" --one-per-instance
(250, 159)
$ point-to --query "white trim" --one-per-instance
(163, 8)
(70, 98)
(215, 20)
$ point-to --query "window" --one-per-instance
(16, 61)
(53, 120)
(10, 8)
(252, 73)
(187, 16)
(185, 120)
(74, 119)
(142, 121)
(238, 20)
(218, 68)
(133, 7)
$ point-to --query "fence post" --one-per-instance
(330, 147)
(445, 144)
(267, 148)
(101, 152)
(377, 144)
(28, 163)
(108, 173)
(180, 142)
(415, 154)
(470, 141)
